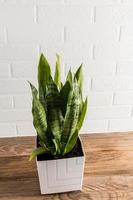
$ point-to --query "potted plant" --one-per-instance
(58, 112)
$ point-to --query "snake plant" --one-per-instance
(58, 109)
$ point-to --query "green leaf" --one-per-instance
(57, 72)
(57, 147)
(64, 93)
(82, 115)
(71, 142)
(79, 76)
(43, 73)
(69, 77)
(37, 151)
(39, 115)
(72, 115)
(54, 114)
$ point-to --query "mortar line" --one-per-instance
(93, 15)
(119, 33)
(35, 14)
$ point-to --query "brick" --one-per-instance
(7, 130)
(121, 125)
(114, 51)
(94, 126)
(127, 34)
(109, 112)
(42, 2)
(31, 2)
(22, 101)
(12, 86)
(94, 33)
(124, 83)
(18, 52)
(4, 70)
(37, 34)
(15, 115)
(24, 69)
(103, 84)
(128, 1)
(125, 68)
(118, 14)
(63, 14)
(6, 102)
(92, 2)
(100, 99)
(25, 128)
(123, 98)
(110, 84)
(24, 13)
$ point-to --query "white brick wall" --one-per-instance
(97, 33)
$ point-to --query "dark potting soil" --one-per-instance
(76, 152)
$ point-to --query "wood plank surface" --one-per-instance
(108, 169)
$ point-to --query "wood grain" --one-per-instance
(108, 169)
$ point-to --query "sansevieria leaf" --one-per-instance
(44, 72)
(71, 142)
(54, 114)
(79, 76)
(82, 115)
(69, 77)
(57, 78)
(64, 93)
(72, 115)
(37, 151)
(39, 115)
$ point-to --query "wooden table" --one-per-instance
(108, 169)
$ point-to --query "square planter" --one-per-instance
(61, 174)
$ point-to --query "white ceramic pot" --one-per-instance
(61, 175)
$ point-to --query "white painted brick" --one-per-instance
(103, 84)
(114, 51)
(118, 14)
(127, 34)
(4, 70)
(94, 126)
(110, 84)
(121, 125)
(100, 99)
(128, 1)
(94, 33)
(123, 98)
(6, 102)
(42, 2)
(16, 15)
(25, 128)
(18, 52)
(14, 86)
(101, 68)
(7, 130)
(109, 112)
(22, 101)
(125, 68)
(31, 2)
(92, 2)
(124, 83)
(37, 34)
(63, 15)
(24, 69)
(15, 115)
